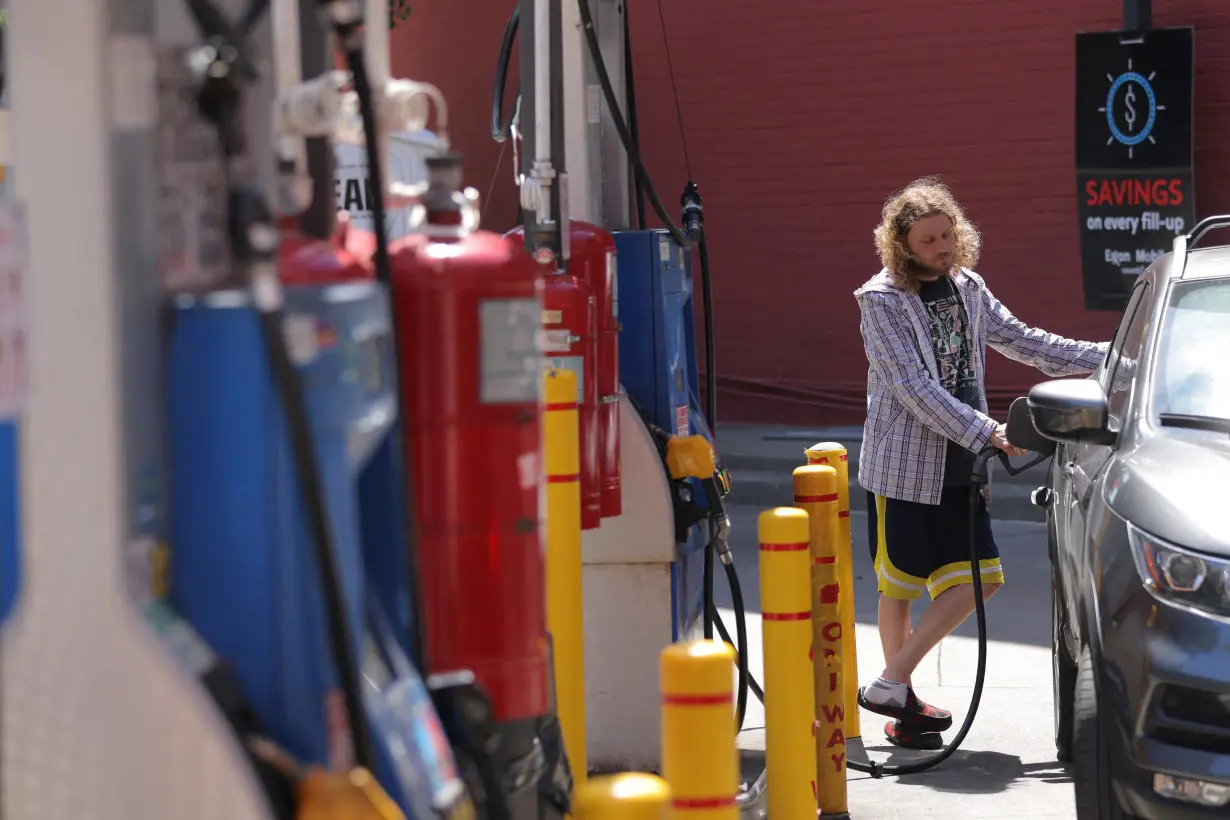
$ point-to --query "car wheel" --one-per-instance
(1095, 799)
(1063, 674)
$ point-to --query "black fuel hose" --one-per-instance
(878, 770)
(746, 680)
(501, 130)
(633, 123)
(350, 38)
(621, 127)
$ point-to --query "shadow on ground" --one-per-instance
(964, 772)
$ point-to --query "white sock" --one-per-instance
(886, 692)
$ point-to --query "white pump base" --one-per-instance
(628, 607)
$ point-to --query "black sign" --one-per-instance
(1133, 154)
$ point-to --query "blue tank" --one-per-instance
(243, 570)
(658, 369)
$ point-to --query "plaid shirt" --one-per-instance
(910, 416)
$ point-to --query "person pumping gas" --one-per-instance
(926, 320)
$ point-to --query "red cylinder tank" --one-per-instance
(571, 343)
(571, 324)
(468, 304)
(593, 261)
(306, 260)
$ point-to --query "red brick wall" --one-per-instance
(800, 118)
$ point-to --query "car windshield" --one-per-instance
(1193, 360)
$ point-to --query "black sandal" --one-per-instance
(901, 734)
(918, 715)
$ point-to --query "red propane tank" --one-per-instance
(305, 260)
(571, 319)
(593, 261)
(469, 304)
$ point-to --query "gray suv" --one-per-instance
(1138, 514)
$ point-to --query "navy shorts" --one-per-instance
(926, 546)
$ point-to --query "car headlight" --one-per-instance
(1181, 576)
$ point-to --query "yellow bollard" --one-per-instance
(628, 796)
(699, 759)
(835, 456)
(815, 492)
(790, 706)
(565, 619)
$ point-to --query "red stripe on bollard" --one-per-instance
(702, 802)
(785, 547)
(815, 499)
(695, 700)
(786, 616)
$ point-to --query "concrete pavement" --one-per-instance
(1006, 767)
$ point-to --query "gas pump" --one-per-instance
(662, 541)
(280, 395)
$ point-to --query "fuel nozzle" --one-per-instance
(693, 457)
(693, 211)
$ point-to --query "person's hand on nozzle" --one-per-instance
(1000, 439)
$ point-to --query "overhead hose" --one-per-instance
(356, 63)
(633, 123)
(500, 130)
(621, 128)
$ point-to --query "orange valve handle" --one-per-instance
(789, 697)
(699, 759)
(815, 492)
(565, 608)
(834, 455)
(627, 796)
(353, 795)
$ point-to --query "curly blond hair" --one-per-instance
(922, 198)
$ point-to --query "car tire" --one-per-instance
(1091, 780)
(1063, 674)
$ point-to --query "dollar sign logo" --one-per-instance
(1130, 116)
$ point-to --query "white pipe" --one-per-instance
(287, 59)
(376, 41)
(287, 75)
(542, 81)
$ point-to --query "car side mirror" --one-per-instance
(1071, 410)
(1023, 433)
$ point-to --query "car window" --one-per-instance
(1129, 342)
(1116, 345)
(1193, 369)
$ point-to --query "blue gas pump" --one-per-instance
(658, 369)
(241, 561)
(10, 518)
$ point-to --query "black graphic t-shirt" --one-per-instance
(954, 357)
